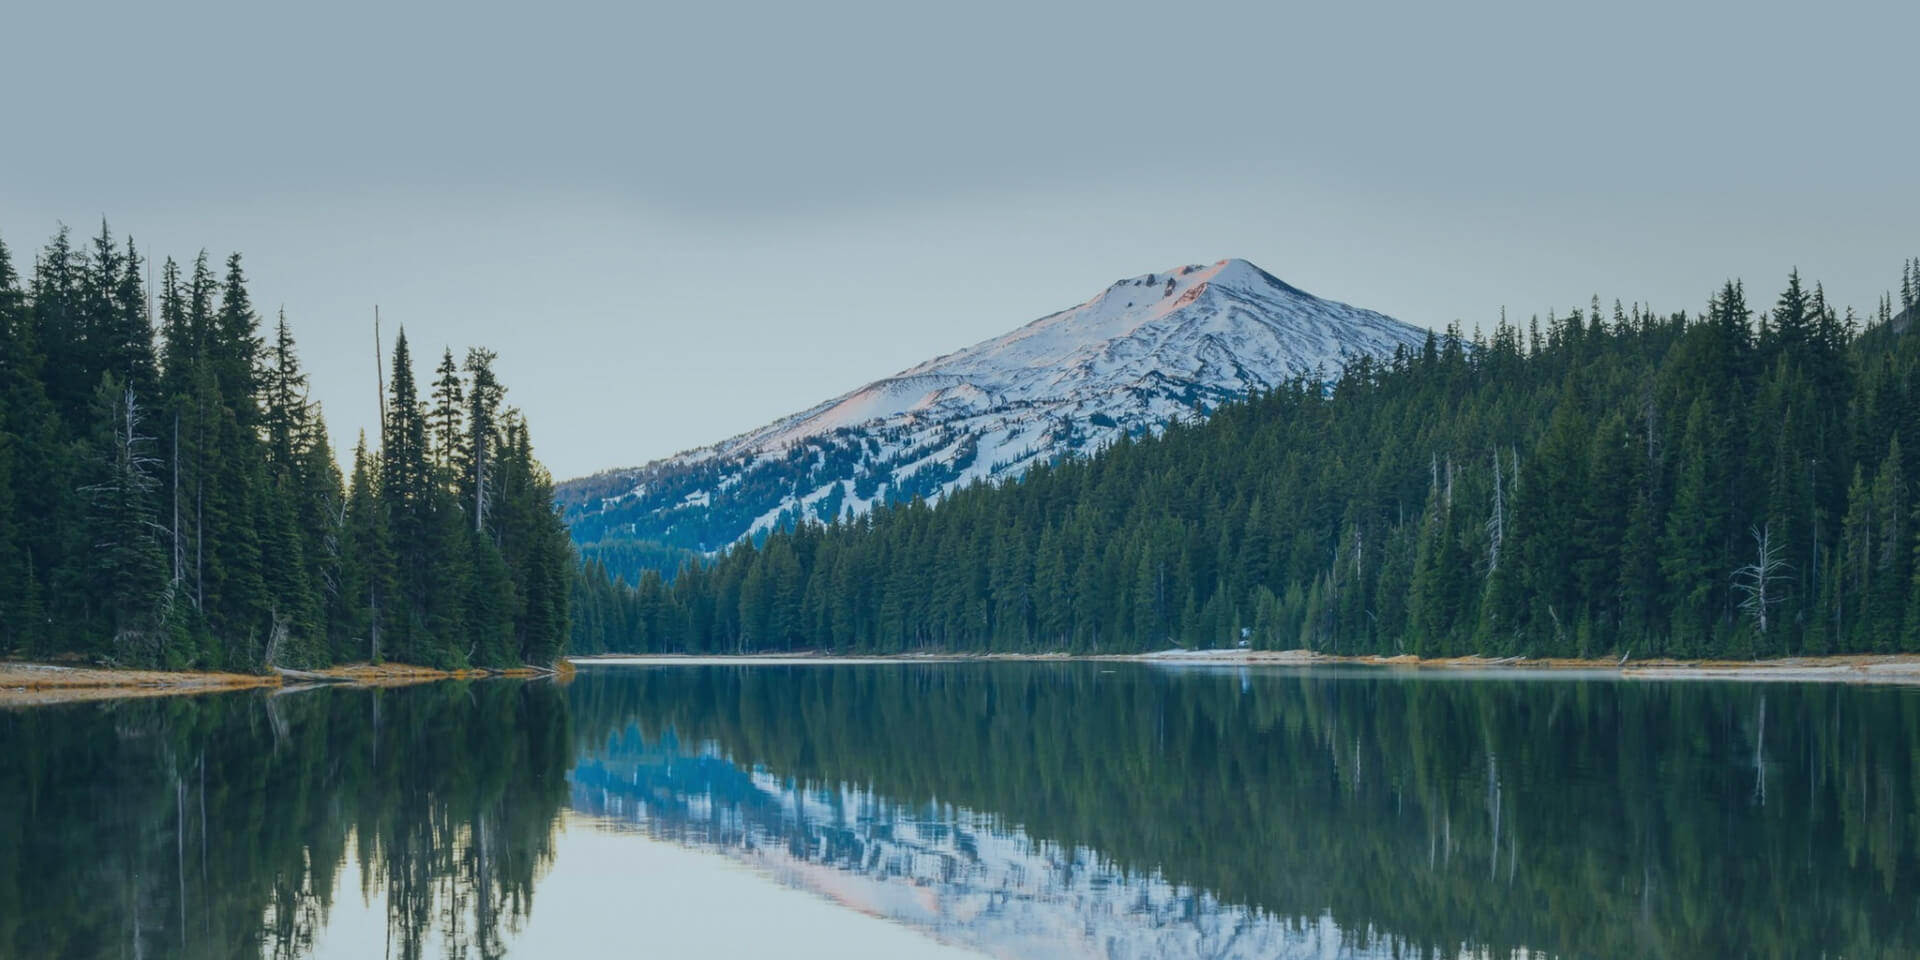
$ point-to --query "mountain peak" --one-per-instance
(1231, 273)
(1144, 351)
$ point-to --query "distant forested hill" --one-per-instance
(177, 503)
(1612, 481)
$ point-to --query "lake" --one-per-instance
(1039, 809)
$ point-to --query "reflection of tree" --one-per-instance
(1584, 819)
(216, 826)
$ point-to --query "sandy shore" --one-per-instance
(34, 684)
(1878, 669)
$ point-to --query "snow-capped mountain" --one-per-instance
(1143, 352)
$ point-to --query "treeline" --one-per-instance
(174, 500)
(628, 559)
(1737, 483)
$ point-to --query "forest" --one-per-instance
(169, 495)
(1611, 483)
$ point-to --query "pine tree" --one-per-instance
(1792, 321)
(448, 438)
(59, 330)
(406, 493)
(1690, 559)
(234, 346)
(299, 493)
(231, 509)
(179, 347)
(124, 558)
(1892, 553)
(536, 549)
(118, 332)
(484, 396)
(367, 600)
(286, 401)
(322, 520)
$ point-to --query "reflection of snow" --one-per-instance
(964, 877)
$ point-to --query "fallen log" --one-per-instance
(308, 676)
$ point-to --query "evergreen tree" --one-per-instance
(484, 396)
(124, 559)
(367, 591)
(447, 402)
(406, 494)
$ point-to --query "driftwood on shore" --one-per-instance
(308, 676)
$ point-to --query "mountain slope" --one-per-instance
(1144, 351)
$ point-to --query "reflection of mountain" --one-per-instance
(218, 826)
(962, 876)
(1577, 818)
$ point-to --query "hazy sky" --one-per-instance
(675, 222)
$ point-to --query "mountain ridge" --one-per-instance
(1140, 353)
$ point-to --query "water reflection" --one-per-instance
(965, 877)
(1023, 810)
(217, 826)
(1021, 807)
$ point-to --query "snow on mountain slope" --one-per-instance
(1144, 351)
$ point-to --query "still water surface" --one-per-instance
(1004, 809)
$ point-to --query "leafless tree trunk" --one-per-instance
(199, 541)
(479, 485)
(1496, 524)
(179, 549)
(1755, 579)
(379, 373)
(276, 636)
(373, 605)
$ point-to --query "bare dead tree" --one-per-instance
(379, 371)
(1755, 580)
(178, 552)
(114, 501)
(276, 638)
(1496, 524)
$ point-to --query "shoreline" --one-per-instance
(24, 684)
(27, 684)
(1895, 669)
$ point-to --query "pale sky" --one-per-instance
(678, 222)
